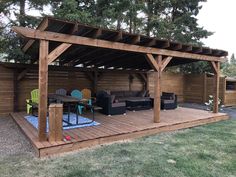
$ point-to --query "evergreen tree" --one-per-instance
(13, 12)
(171, 19)
(233, 59)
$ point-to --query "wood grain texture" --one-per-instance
(55, 122)
(43, 89)
(52, 36)
(120, 127)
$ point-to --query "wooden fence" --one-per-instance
(189, 88)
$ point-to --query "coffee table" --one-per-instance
(138, 104)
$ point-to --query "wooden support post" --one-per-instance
(43, 89)
(15, 88)
(224, 90)
(216, 86)
(157, 91)
(204, 87)
(55, 122)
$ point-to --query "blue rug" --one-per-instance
(34, 121)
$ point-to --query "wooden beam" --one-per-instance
(177, 47)
(165, 44)
(151, 43)
(43, 90)
(187, 48)
(197, 49)
(216, 87)
(119, 36)
(151, 60)
(36, 34)
(135, 40)
(57, 52)
(15, 90)
(204, 87)
(214, 66)
(158, 59)
(157, 92)
(42, 26)
(97, 33)
(165, 62)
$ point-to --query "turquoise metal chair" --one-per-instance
(78, 94)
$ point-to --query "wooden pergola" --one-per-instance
(75, 44)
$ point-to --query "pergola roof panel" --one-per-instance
(96, 56)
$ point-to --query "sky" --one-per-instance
(219, 16)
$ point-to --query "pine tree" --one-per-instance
(233, 59)
(14, 13)
(170, 19)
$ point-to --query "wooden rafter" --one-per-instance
(177, 47)
(151, 43)
(165, 44)
(187, 48)
(97, 33)
(119, 36)
(135, 40)
(36, 34)
(197, 49)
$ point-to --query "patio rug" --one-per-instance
(34, 121)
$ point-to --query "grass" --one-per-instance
(204, 151)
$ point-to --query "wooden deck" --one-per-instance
(114, 128)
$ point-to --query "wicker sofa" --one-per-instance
(114, 102)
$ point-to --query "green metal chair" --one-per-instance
(33, 102)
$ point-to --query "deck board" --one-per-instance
(120, 127)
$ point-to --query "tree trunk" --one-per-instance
(22, 13)
(118, 23)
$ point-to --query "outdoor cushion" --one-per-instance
(123, 99)
(167, 101)
(117, 104)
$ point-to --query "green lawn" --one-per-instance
(208, 150)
